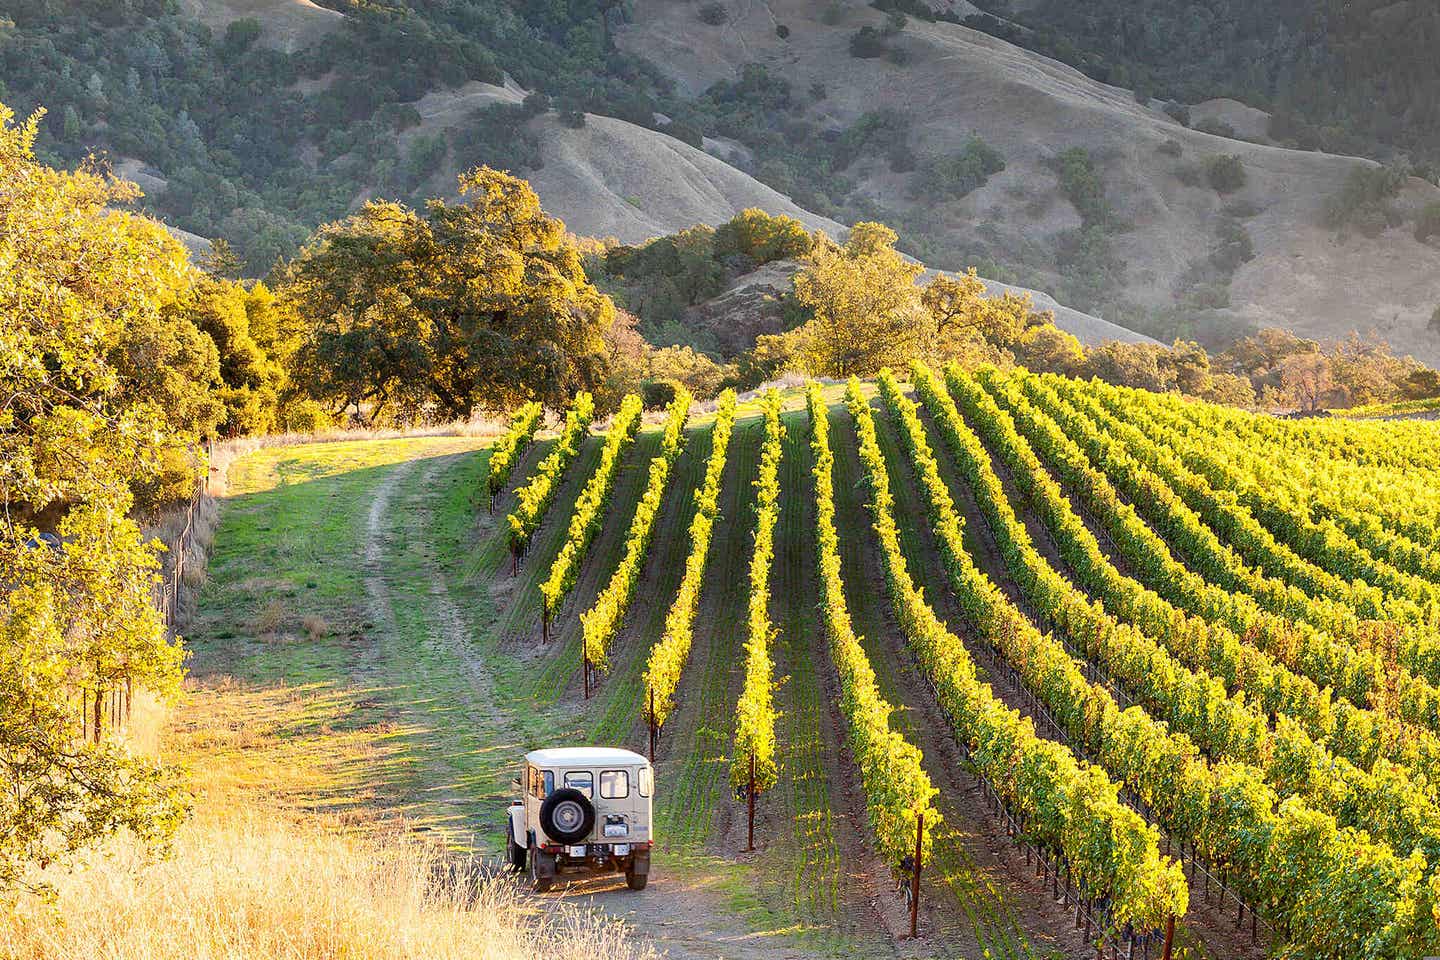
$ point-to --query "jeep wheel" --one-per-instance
(542, 870)
(636, 881)
(567, 816)
(517, 852)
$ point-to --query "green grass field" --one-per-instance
(363, 648)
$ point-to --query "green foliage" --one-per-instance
(864, 305)
(1147, 888)
(953, 176)
(478, 304)
(533, 499)
(897, 788)
(1082, 186)
(1090, 266)
(86, 293)
(670, 653)
(660, 279)
(659, 393)
(713, 14)
(1427, 225)
(590, 506)
(1229, 812)
(867, 43)
(1363, 200)
(1225, 173)
(507, 450)
(602, 621)
(219, 115)
(755, 712)
(761, 237)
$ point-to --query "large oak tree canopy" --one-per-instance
(480, 304)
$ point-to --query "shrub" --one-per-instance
(239, 35)
(867, 44)
(573, 117)
(1235, 247)
(899, 56)
(1189, 174)
(818, 91)
(535, 103)
(1428, 225)
(1361, 201)
(714, 14)
(1170, 148)
(762, 237)
(303, 415)
(1178, 112)
(782, 31)
(685, 132)
(658, 394)
(955, 175)
(1226, 173)
(1216, 127)
(1082, 186)
(902, 158)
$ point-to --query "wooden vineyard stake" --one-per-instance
(652, 724)
(587, 676)
(544, 623)
(750, 797)
(915, 877)
(1169, 938)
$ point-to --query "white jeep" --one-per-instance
(582, 810)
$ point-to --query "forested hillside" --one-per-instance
(257, 120)
(1338, 75)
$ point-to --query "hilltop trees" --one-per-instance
(478, 304)
(100, 382)
(865, 308)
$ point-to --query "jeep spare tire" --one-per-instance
(567, 816)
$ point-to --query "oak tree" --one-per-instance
(442, 311)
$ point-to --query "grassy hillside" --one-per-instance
(362, 631)
(1130, 228)
(1106, 202)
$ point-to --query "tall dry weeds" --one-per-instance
(248, 884)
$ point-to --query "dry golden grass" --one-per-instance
(256, 874)
(316, 628)
(270, 620)
(246, 884)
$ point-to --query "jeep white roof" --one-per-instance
(585, 757)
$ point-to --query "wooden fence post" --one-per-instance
(652, 725)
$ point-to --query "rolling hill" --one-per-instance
(955, 81)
